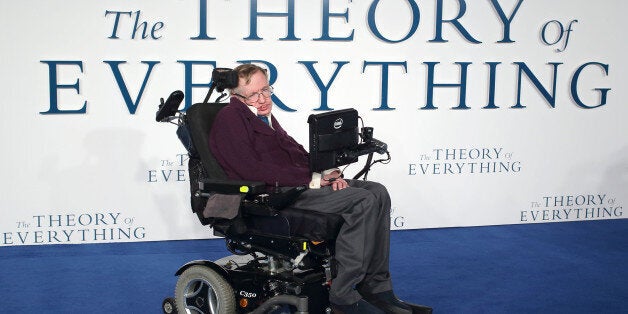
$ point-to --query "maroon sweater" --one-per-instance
(248, 149)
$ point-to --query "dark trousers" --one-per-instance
(363, 244)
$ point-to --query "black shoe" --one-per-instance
(389, 303)
(419, 309)
(360, 307)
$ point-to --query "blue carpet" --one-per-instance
(575, 267)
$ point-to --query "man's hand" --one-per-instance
(335, 180)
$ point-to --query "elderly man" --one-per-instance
(250, 144)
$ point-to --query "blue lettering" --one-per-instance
(383, 105)
(462, 85)
(551, 99)
(152, 176)
(324, 88)
(255, 14)
(202, 33)
(325, 27)
(131, 105)
(602, 91)
(506, 20)
(115, 23)
(416, 17)
(55, 86)
(188, 64)
(143, 26)
(438, 38)
(491, 85)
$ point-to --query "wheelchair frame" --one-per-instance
(270, 271)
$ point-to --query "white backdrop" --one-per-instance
(530, 130)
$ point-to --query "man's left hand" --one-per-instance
(335, 180)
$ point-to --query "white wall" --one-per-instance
(104, 174)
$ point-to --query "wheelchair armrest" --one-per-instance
(269, 204)
(279, 200)
(231, 187)
(257, 201)
(255, 197)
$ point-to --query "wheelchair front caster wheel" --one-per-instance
(168, 306)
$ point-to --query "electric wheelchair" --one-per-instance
(282, 258)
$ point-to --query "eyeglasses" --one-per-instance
(266, 92)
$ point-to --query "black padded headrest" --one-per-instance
(200, 119)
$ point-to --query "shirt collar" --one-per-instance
(254, 111)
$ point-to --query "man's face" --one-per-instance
(258, 82)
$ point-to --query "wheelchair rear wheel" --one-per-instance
(201, 290)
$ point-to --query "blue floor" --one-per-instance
(575, 267)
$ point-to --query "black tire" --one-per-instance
(169, 306)
(201, 290)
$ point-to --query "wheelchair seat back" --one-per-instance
(288, 222)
